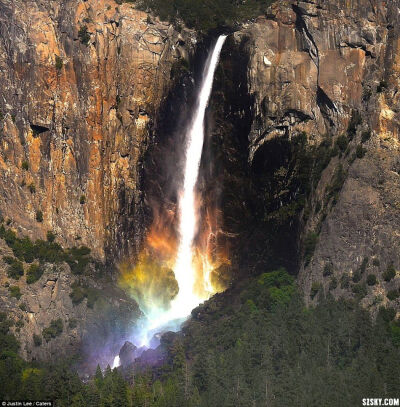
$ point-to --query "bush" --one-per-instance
(309, 247)
(15, 292)
(59, 63)
(37, 340)
(389, 273)
(82, 199)
(50, 236)
(32, 188)
(328, 270)
(25, 165)
(357, 276)
(381, 86)
(77, 294)
(345, 281)
(342, 142)
(34, 273)
(337, 184)
(371, 279)
(365, 136)
(393, 294)
(360, 290)
(333, 284)
(72, 323)
(316, 286)
(360, 151)
(39, 216)
(53, 330)
(15, 270)
(84, 35)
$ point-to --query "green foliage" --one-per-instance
(34, 272)
(333, 283)
(72, 323)
(310, 243)
(59, 63)
(365, 135)
(53, 330)
(25, 165)
(37, 340)
(15, 270)
(360, 151)
(51, 237)
(342, 142)
(80, 292)
(393, 295)
(78, 258)
(15, 291)
(39, 216)
(389, 273)
(360, 290)
(82, 199)
(204, 15)
(83, 35)
(371, 279)
(328, 270)
(381, 86)
(344, 281)
(315, 288)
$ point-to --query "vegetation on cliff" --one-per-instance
(204, 15)
(256, 344)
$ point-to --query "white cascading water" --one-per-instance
(184, 271)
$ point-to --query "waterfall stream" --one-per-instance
(185, 273)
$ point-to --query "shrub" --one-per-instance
(59, 63)
(376, 261)
(364, 265)
(357, 276)
(34, 273)
(84, 35)
(365, 136)
(337, 184)
(333, 284)
(309, 247)
(328, 269)
(9, 259)
(25, 165)
(72, 323)
(371, 279)
(82, 199)
(345, 281)
(315, 287)
(393, 294)
(360, 151)
(50, 236)
(32, 188)
(39, 216)
(53, 330)
(360, 290)
(381, 86)
(15, 292)
(77, 294)
(389, 273)
(22, 306)
(15, 270)
(342, 142)
(37, 340)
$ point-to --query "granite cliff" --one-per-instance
(303, 154)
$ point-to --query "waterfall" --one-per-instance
(156, 319)
(186, 299)
(184, 271)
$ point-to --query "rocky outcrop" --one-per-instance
(61, 313)
(329, 68)
(81, 84)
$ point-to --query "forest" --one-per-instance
(255, 345)
(206, 15)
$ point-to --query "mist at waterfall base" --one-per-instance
(178, 269)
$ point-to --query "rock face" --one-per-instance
(82, 82)
(97, 322)
(329, 68)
